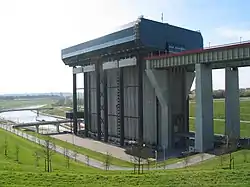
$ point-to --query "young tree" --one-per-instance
(67, 158)
(75, 153)
(202, 155)
(245, 157)
(87, 160)
(48, 152)
(5, 147)
(17, 152)
(232, 146)
(37, 158)
(148, 163)
(107, 161)
(186, 160)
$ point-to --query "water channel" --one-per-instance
(31, 116)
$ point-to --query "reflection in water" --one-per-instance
(30, 116)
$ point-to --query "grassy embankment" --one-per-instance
(25, 172)
(219, 116)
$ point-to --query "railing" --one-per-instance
(229, 45)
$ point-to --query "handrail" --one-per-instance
(230, 45)
(227, 44)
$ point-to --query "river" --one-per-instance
(31, 116)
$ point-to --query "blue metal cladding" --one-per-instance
(151, 34)
(157, 35)
(119, 37)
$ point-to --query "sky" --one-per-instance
(32, 34)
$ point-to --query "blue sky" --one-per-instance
(33, 33)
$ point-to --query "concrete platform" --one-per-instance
(94, 145)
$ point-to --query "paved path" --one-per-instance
(94, 145)
(97, 164)
(242, 121)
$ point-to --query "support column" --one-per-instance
(98, 101)
(160, 82)
(86, 108)
(105, 92)
(232, 103)
(74, 105)
(204, 132)
(140, 98)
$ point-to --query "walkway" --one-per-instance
(100, 165)
(93, 145)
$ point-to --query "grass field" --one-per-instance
(26, 156)
(84, 151)
(57, 111)
(4, 104)
(219, 116)
(25, 173)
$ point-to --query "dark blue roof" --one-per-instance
(148, 33)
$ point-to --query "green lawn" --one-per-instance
(26, 161)
(241, 161)
(26, 173)
(219, 109)
(84, 151)
(219, 113)
(58, 111)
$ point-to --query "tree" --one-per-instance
(245, 157)
(107, 161)
(137, 152)
(67, 158)
(48, 152)
(17, 152)
(186, 160)
(37, 158)
(75, 153)
(5, 147)
(202, 155)
(148, 163)
(87, 160)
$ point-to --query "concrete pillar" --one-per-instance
(204, 132)
(37, 128)
(232, 103)
(160, 81)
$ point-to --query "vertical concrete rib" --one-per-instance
(74, 105)
(140, 98)
(86, 108)
(98, 101)
(121, 87)
(204, 133)
(105, 91)
(232, 103)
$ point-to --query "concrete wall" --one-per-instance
(92, 100)
(131, 102)
(149, 111)
(112, 101)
